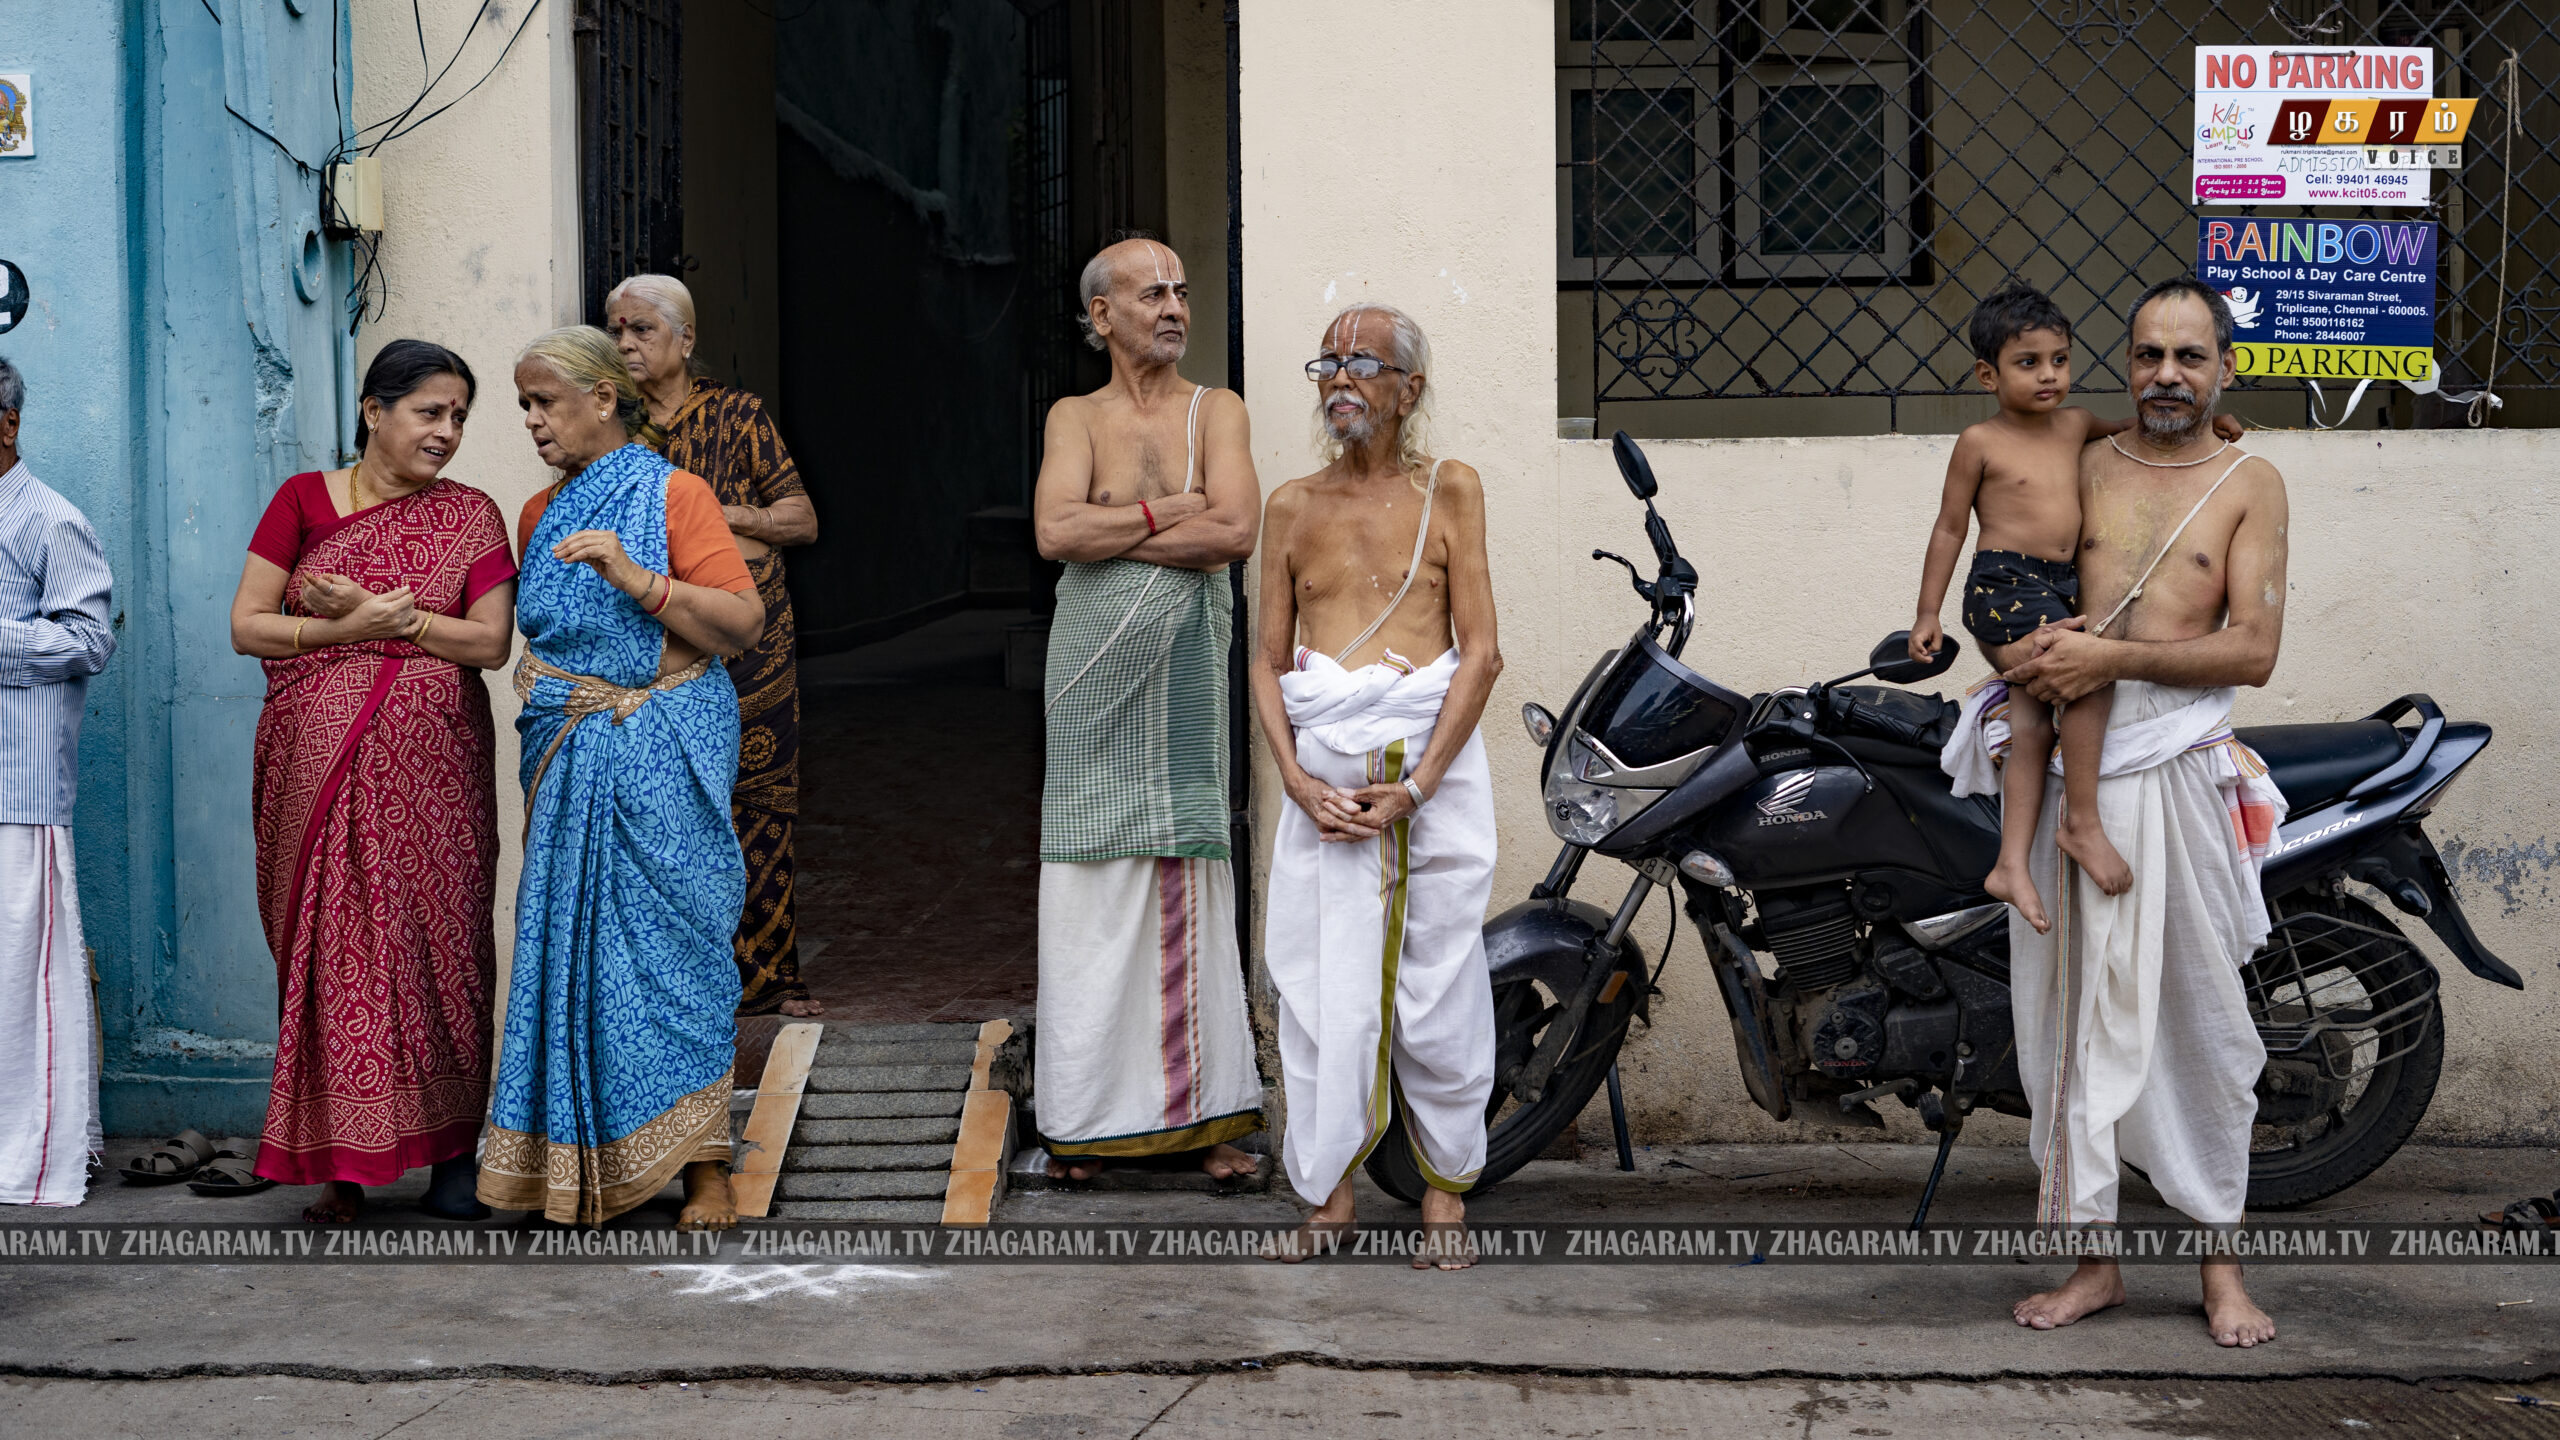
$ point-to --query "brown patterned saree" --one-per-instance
(723, 434)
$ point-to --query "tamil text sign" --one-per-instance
(2292, 125)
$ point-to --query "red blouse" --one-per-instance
(301, 514)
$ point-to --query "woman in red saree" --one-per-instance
(376, 595)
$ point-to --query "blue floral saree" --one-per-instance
(614, 1069)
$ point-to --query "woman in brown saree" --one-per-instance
(723, 434)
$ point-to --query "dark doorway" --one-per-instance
(882, 209)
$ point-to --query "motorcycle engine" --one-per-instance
(1848, 1041)
(1813, 934)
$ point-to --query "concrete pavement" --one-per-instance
(921, 1323)
(1283, 1403)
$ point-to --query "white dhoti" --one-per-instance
(1377, 948)
(1143, 1044)
(2136, 1047)
(48, 1028)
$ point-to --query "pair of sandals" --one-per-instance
(2533, 1212)
(205, 1168)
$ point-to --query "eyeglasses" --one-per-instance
(1362, 367)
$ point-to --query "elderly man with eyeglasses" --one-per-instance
(1147, 492)
(1375, 654)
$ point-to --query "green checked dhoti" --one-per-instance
(1143, 1047)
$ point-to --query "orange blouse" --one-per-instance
(700, 549)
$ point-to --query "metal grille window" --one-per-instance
(1806, 198)
(631, 93)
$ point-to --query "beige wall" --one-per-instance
(2416, 553)
(479, 253)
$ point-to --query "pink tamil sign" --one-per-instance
(2291, 124)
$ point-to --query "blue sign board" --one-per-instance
(2325, 299)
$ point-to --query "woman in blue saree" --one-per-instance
(613, 1073)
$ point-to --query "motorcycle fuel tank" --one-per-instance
(1811, 823)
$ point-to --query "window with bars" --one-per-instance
(1802, 200)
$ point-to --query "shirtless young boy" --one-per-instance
(2020, 471)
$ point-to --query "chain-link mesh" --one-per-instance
(1771, 198)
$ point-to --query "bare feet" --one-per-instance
(2230, 1316)
(2085, 842)
(2095, 1286)
(1226, 1162)
(1075, 1167)
(338, 1203)
(1446, 1245)
(2009, 881)
(1320, 1235)
(805, 1008)
(707, 1202)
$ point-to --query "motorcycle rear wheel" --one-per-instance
(2354, 962)
(1516, 1134)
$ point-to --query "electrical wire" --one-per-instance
(401, 116)
(530, 12)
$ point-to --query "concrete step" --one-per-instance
(895, 1034)
(863, 1185)
(834, 1052)
(923, 1130)
(905, 1212)
(866, 1157)
(872, 1079)
(870, 1105)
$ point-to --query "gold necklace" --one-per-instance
(2162, 464)
(355, 487)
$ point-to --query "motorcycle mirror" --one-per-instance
(1632, 465)
(1893, 664)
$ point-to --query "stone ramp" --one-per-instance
(886, 1123)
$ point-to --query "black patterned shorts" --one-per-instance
(2009, 596)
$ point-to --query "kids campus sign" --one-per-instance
(2325, 299)
(2292, 125)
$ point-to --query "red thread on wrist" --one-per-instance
(1150, 514)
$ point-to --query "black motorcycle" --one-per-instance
(1814, 826)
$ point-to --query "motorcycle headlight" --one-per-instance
(1582, 812)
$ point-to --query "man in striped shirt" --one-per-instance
(55, 632)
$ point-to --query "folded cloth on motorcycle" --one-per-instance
(1377, 948)
(2134, 1036)
(1974, 754)
(2009, 596)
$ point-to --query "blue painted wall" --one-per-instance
(187, 350)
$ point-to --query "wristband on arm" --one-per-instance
(1151, 517)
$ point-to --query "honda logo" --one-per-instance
(1780, 805)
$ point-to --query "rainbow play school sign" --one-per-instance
(2325, 299)
(2279, 124)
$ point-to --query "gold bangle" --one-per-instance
(425, 623)
(297, 633)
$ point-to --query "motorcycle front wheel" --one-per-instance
(1516, 1134)
(2337, 974)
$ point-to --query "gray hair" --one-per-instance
(586, 357)
(13, 388)
(1092, 286)
(1409, 350)
(1096, 282)
(2186, 285)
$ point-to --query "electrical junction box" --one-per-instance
(355, 196)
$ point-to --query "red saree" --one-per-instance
(377, 853)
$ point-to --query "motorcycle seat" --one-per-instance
(2315, 764)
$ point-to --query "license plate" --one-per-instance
(2413, 157)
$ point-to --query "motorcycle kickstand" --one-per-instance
(1929, 1192)
(1618, 1120)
